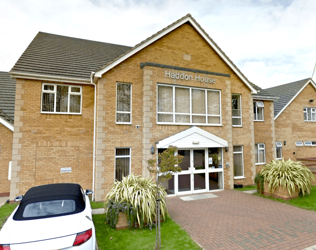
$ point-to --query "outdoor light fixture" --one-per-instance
(284, 143)
(226, 149)
(311, 100)
(152, 150)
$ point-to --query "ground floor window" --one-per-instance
(122, 162)
(260, 153)
(238, 161)
(278, 145)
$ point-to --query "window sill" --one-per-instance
(239, 177)
(258, 120)
(61, 113)
(261, 163)
(121, 123)
(235, 126)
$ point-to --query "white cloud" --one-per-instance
(272, 42)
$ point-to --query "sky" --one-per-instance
(271, 41)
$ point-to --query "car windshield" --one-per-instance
(49, 208)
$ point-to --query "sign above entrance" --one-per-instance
(188, 77)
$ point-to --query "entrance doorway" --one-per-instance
(202, 171)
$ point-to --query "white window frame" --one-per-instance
(55, 98)
(258, 149)
(257, 105)
(173, 113)
(313, 114)
(124, 112)
(278, 145)
(123, 156)
(240, 116)
(242, 157)
(308, 143)
(299, 144)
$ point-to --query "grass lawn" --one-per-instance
(172, 236)
(5, 212)
(306, 202)
(246, 188)
(95, 205)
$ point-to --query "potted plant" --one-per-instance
(259, 180)
(286, 179)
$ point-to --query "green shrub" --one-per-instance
(259, 180)
(290, 175)
(140, 193)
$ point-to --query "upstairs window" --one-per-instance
(258, 111)
(299, 144)
(309, 114)
(278, 145)
(236, 110)
(123, 103)
(61, 99)
(260, 153)
(184, 105)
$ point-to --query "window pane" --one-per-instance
(122, 151)
(121, 117)
(260, 114)
(75, 101)
(182, 119)
(236, 121)
(165, 99)
(123, 97)
(62, 99)
(48, 102)
(198, 101)
(237, 148)
(185, 164)
(213, 105)
(199, 181)
(169, 185)
(199, 159)
(165, 118)
(182, 100)
(121, 168)
(278, 152)
(49, 87)
(213, 120)
(184, 183)
(198, 119)
(75, 89)
(238, 168)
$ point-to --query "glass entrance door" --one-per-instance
(192, 178)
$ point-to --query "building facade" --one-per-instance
(91, 112)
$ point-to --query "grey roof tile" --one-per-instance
(285, 93)
(7, 96)
(56, 55)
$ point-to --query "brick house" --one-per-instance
(7, 96)
(91, 112)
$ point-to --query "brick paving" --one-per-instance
(236, 220)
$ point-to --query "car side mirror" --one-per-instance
(19, 198)
(89, 191)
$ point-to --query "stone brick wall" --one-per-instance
(264, 132)
(291, 127)
(6, 136)
(44, 143)
(183, 47)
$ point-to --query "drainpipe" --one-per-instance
(94, 130)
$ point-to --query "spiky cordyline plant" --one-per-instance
(141, 194)
(291, 175)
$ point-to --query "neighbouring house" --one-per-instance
(7, 97)
(92, 112)
(295, 121)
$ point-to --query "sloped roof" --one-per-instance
(186, 19)
(62, 56)
(7, 97)
(263, 94)
(287, 93)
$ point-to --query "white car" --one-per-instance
(54, 216)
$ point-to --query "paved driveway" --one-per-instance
(236, 220)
